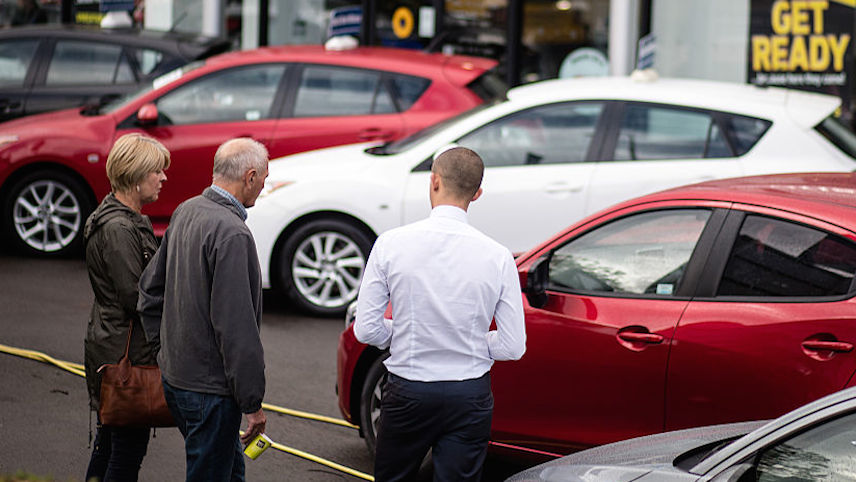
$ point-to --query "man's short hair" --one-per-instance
(462, 171)
(133, 157)
(237, 156)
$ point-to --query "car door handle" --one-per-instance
(560, 187)
(820, 345)
(633, 337)
(374, 133)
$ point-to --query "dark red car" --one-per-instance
(291, 98)
(719, 302)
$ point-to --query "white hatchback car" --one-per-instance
(554, 152)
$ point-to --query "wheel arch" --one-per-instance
(302, 221)
(358, 378)
(5, 189)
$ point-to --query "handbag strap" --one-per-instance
(128, 344)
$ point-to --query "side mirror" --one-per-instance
(536, 282)
(148, 114)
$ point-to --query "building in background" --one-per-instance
(803, 44)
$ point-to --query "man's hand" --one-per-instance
(255, 425)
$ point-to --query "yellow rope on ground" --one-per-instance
(77, 369)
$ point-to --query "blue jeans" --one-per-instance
(117, 454)
(210, 425)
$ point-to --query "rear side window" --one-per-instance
(489, 86)
(744, 131)
(334, 91)
(15, 58)
(408, 89)
(656, 132)
(838, 134)
(776, 258)
(76, 62)
(147, 59)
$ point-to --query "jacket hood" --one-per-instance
(107, 210)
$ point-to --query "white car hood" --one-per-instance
(345, 161)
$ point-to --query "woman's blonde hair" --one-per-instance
(132, 157)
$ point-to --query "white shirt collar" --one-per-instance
(450, 212)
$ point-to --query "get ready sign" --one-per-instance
(805, 44)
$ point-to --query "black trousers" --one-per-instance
(117, 454)
(450, 418)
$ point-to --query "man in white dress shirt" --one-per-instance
(446, 281)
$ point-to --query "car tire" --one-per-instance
(45, 213)
(370, 397)
(321, 265)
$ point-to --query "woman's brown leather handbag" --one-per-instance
(132, 395)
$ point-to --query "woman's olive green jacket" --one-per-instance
(119, 244)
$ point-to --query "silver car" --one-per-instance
(816, 442)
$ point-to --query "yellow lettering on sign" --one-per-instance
(799, 54)
(818, 53)
(760, 53)
(838, 47)
(780, 18)
(799, 18)
(779, 47)
(818, 6)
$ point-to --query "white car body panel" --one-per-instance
(523, 205)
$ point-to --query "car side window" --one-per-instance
(776, 258)
(824, 452)
(408, 89)
(336, 91)
(240, 94)
(147, 59)
(745, 131)
(79, 62)
(643, 253)
(550, 134)
(650, 132)
(15, 58)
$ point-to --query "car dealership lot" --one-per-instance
(43, 410)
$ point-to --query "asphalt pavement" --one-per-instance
(44, 416)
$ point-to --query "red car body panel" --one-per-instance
(81, 143)
(579, 384)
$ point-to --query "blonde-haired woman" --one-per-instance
(119, 243)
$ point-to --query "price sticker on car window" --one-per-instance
(665, 288)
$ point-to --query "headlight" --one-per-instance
(271, 186)
(8, 139)
(351, 314)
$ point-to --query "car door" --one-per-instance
(331, 105)
(597, 350)
(653, 146)
(773, 325)
(536, 173)
(18, 63)
(78, 72)
(199, 115)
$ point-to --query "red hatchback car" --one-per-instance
(291, 98)
(718, 302)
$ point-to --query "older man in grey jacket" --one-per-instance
(201, 297)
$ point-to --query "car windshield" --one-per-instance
(406, 143)
(157, 83)
(838, 134)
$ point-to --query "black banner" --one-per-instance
(803, 44)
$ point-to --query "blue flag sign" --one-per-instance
(345, 21)
(113, 5)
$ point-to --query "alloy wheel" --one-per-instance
(47, 215)
(327, 268)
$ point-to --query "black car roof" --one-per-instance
(189, 46)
